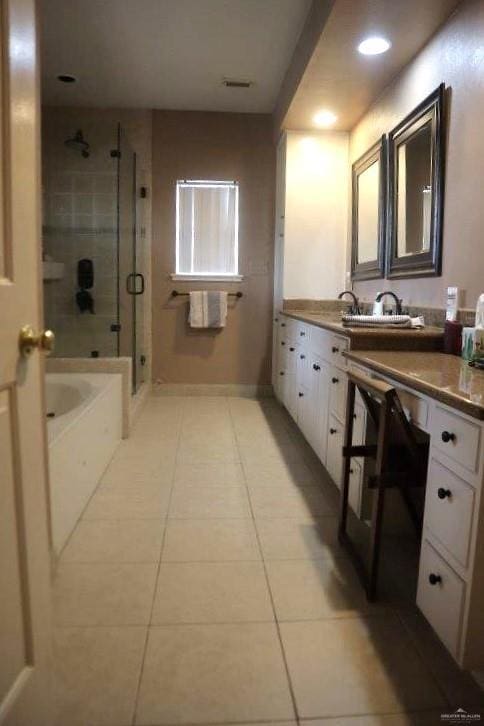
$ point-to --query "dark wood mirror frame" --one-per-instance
(373, 269)
(423, 264)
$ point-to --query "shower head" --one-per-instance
(78, 144)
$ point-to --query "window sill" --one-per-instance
(206, 278)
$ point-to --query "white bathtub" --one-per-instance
(84, 422)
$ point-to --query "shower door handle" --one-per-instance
(131, 283)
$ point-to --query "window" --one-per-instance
(207, 221)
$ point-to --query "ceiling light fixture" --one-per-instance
(323, 119)
(374, 45)
(66, 78)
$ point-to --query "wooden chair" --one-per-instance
(400, 459)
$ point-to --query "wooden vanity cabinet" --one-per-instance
(310, 381)
(312, 386)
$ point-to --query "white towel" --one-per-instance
(208, 309)
(382, 321)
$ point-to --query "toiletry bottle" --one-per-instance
(378, 306)
(478, 351)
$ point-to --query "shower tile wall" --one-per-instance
(80, 208)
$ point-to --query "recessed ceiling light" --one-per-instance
(374, 45)
(324, 118)
(66, 78)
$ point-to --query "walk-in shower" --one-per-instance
(91, 204)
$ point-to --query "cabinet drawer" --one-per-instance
(359, 425)
(337, 393)
(320, 342)
(303, 333)
(442, 603)
(416, 408)
(334, 454)
(449, 508)
(354, 494)
(337, 347)
(456, 437)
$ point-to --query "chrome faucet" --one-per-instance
(398, 302)
(355, 308)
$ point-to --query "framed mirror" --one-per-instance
(368, 213)
(416, 189)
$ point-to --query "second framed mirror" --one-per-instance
(369, 213)
(416, 188)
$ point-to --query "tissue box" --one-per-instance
(472, 343)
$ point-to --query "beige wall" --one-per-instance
(316, 209)
(196, 145)
(454, 56)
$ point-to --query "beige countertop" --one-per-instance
(427, 338)
(447, 378)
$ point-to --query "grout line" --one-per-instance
(276, 622)
(155, 588)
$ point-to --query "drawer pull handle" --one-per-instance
(447, 436)
(281, 373)
(292, 350)
(301, 332)
(335, 380)
(352, 471)
(333, 431)
(300, 395)
(334, 349)
(283, 325)
(276, 320)
(443, 493)
(302, 356)
(316, 367)
(283, 342)
(434, 579)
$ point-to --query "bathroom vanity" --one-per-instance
(443, 397)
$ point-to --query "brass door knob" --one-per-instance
(28, 340)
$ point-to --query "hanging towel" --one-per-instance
(382, 321)
(208, 309)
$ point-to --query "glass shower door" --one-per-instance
(131, 283)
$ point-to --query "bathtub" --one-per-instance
(84, 420)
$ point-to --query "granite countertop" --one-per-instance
(447, 378)
(428, 338)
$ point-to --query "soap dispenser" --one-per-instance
(378, 306)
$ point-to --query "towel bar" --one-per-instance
(175, 293)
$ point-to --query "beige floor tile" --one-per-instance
(277, 472)
(314, 589)
(135, 466)
(199, 540)
(224, 473)
(143, 502)
(211, 592)
(209, 451)
(293, 539)
(123, 540)
(355, 666)
(96, 675)
(213, 673)
(209, 502)
(423, 718)
(272, 502)
(101, 594)
(125, 478)
(459, 686)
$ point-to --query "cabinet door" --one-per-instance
(334, 458)
(338, 386)
(290, 381)
(320, 377)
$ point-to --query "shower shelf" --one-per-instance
(52, 270)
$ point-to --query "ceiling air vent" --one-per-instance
(236, 83)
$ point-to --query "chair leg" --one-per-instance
(348, 438)
(379, 500)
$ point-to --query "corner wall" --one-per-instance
(200, 145)
(454, 56)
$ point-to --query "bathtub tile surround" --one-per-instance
(221, 606)
(83, 434)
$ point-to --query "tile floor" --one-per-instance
(204, 585)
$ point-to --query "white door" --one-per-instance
(25, 636)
